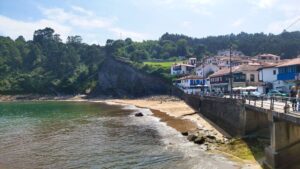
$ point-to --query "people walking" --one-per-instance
(298, 99)
(293, 94)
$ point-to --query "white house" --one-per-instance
(191, 84)
(227, 53)
(268, 74)
(267, 58)
(181, 69)
(192, 61)
(206, 69)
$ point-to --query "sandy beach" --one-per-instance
(179, 110)
(177, 114)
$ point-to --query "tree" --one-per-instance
(43, 34)
(200, 51)
(181, 47)
(74, 39)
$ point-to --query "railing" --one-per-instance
(276, 103)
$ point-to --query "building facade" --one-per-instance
(181, 69)
(191, 84)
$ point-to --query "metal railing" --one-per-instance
(276, 103)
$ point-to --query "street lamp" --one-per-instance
(230, 67)
(203, 75)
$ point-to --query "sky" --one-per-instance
(99, 20)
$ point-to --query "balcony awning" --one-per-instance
(245, 88)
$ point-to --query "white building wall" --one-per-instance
(180, 72)
(206, 69)
(267, 75)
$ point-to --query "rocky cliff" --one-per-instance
(119, 79)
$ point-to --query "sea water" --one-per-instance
(94, 135)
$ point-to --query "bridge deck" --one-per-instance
(278, 110)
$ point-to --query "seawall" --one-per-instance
(232, 115)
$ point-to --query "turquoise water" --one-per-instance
(93, 135)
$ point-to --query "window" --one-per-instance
(274, 72)
(294, 69)
(252, 78)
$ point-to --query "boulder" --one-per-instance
(199, 140)
(185, 133)
(191, 137)
(211, 137)
(139, 114)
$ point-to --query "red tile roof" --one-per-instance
(221, 72)
(190, 77)
(291, 62)
(236, 69)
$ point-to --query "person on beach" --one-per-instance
(293, 94)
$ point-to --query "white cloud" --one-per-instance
(77, 17)
(82, 10)
(238, 22)
(263, 3)
(290, 8)
(76, 21)
(279, 26)
(196, 6)
(14, 28)
(126, 33)
(181, 2)
(186, 24)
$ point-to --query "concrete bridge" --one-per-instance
(240, 118)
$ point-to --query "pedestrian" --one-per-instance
(293, 94)
(298, 99)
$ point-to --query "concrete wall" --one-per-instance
(226, 113)
(229, 114)
(284, 151)
(239, 119)
(256, 119)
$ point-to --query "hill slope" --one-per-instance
(119, 79)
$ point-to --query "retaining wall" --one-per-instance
(230, 114)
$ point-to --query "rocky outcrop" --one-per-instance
(119, 79)
(139, 114)
(205, 138)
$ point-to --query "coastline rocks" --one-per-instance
(191, 137)
(205, 138)
(199, 140)
(185, 133)
(139, 114)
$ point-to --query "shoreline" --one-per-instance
(170, 110)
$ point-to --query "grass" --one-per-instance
(246, 149)
(163, 65)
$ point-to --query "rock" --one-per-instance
(185, 133)
(211, 137)
(210, 140)
(191, 137)
(199, 140)
(139, 114)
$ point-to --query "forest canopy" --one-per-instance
(47, 65)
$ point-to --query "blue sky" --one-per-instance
(98, 20)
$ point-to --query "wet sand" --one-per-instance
(176, 113)
(181, 125)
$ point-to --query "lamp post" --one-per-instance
(230, 67)
(203, 75)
